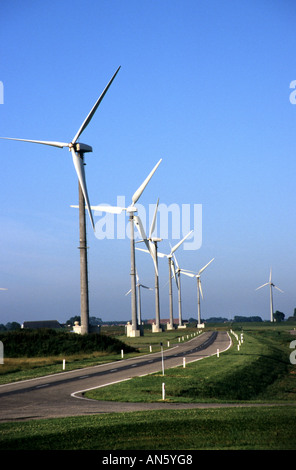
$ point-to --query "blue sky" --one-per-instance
(205, 86)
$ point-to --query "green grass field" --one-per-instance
(211, 429)
(259, 374)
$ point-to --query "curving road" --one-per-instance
(61, 394)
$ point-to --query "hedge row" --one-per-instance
(47, 342)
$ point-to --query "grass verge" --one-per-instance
(271, 428)
(259, 371)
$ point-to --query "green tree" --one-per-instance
(72, 320)
(11, 326)
(279, 316)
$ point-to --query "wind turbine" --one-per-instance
(131, 211)
(139, 286)
(171, 271)
(271, 285)
(152, 243)
(199, 289)
(178, 271)
(78, 150)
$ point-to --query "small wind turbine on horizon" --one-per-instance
(199, 289)
(78, 150)
(139, 286)
(271, 285)
(132, 218)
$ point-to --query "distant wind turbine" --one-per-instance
(139, 286)
(152, 243)
(171, 272)
(271, 285)
(178, 271)
(132, 217)
(78, 150)
(199, 289)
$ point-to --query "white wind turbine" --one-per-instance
(78, 150)
(132, 217)
(271, 285)
(199, 289)
(178, 271)
(151, 242)
(139, 286)
(171, 271)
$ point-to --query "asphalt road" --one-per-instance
(61, 394)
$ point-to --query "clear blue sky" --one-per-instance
(205, 86)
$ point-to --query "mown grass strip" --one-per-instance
(271, 428)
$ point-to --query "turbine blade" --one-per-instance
(202, 269)
(141, 230)
(149, 245)
(266, 284)
(128, 292)
(141, 188)
(79, 167)
(270, 275)
(186, 273)
(278, 289)
(152, 252)
(110, 209)
(175, 260)
(153, 220)
(44, 142)
(142, 249)
(178, 282)
(137, 277)
(93, 110)
(200, 289)
(149, 252)
(173, 269)
(165, 284)
(179, 243)
(145, 287)
(161, 255)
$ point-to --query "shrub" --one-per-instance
(47, 342)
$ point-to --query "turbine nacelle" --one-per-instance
(80, 148)
(131, 209)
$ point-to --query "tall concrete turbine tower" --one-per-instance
(78, 150)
